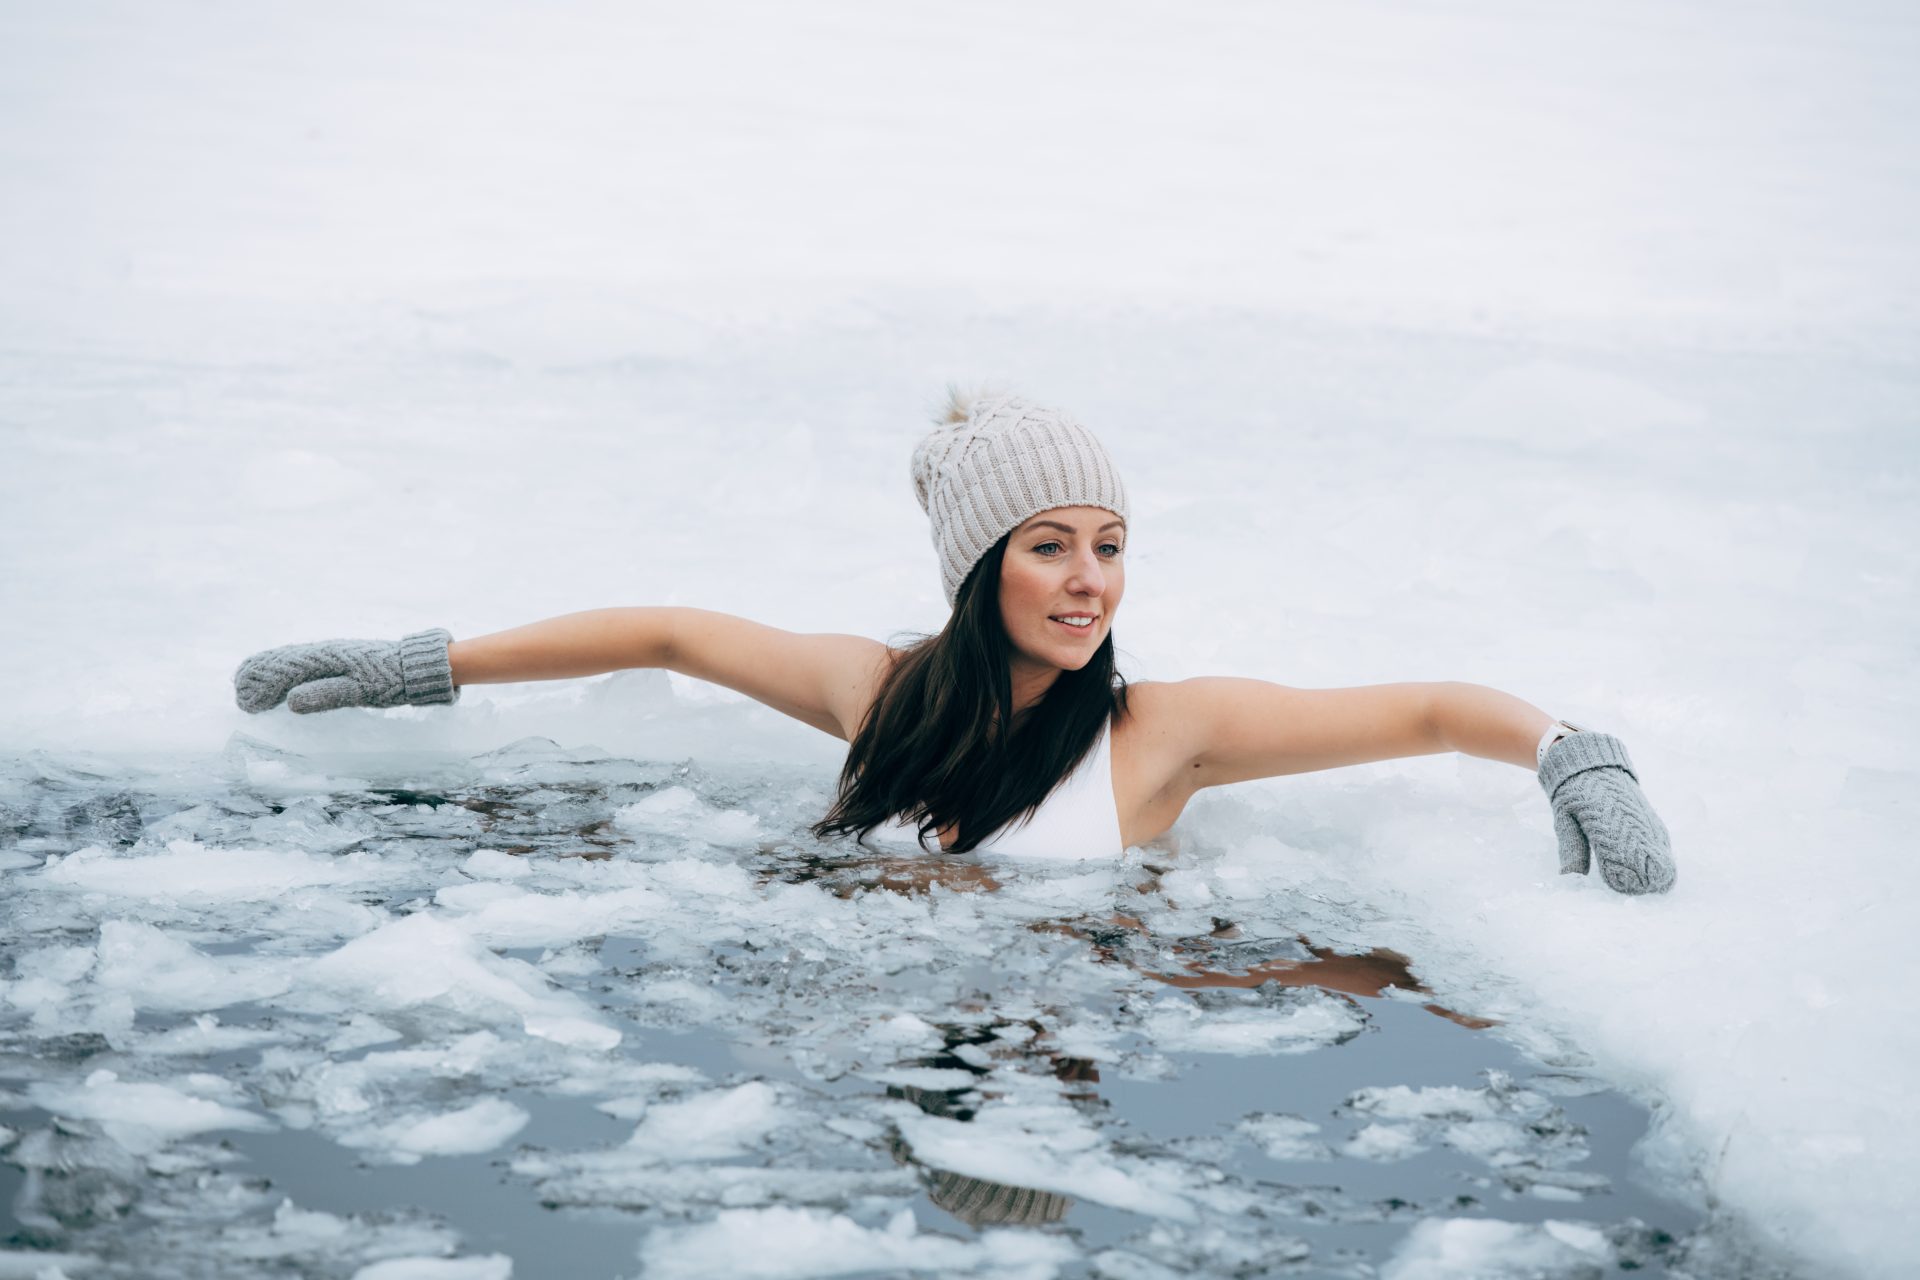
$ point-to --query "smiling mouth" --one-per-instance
(1078, 621)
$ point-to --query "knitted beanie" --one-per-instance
(995, 462)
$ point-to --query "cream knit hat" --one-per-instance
(993, 463)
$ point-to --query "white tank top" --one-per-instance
(1078, 819)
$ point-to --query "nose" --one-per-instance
(1089, 576)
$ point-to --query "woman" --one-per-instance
(1011, 730)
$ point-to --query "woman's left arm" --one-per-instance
(1488, 723)
(1237, 729)
(1232, 730)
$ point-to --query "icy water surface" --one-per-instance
(557, 1015)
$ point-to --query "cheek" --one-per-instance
(1018, 592)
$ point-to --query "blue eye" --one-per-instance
(1043, 548)
(1110, 549)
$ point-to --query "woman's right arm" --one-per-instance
(827, 681)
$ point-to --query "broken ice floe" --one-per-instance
(404, 967)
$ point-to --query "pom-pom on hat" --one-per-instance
(995, 461)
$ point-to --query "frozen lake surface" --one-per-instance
(1568, 351)
(585, 1012)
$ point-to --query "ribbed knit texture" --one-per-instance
(1007, 462)
(1600, 811)
(424, 669)
(330, 674)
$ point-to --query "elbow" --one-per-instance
(655, 641)
(1439, 722)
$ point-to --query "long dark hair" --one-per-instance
(941, 747)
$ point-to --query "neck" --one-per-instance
(1030, 684)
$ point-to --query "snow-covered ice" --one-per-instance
(1567, 352)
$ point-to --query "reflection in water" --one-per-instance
(1223, 961)
(979, 1202)
(1369, 974)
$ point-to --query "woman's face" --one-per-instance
(1060, 585)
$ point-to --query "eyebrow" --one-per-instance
(1067, 528)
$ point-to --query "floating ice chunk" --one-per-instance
(492, 864)
(476, 895)
(292, 1222)
(633, 1106)
(941, 1078)
(1383, 1142)
(279, 776)
(1520, 1133)
(311, 1241)
(792, 1244)
(904, 1030)
(1173, 1251)
(190, 870)
(159, 972)
(421, 959)
(494, 1266)
(143, 1117)
(1498, 1142)
(465, 1132)
(331, 1092)
(205, 1035)
(311, 825)
(1045, 1145)
(1284, 1137)
(676, 812)
(625, 1178)
(1482, 1249)
(361, 1032)
(1287, 1020)
(714, 1125)
(1437, 1102)
(45, 976)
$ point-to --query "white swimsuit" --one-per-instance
(1078, 819)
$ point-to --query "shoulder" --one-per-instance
(1159, 718)
(1167, 704)
(1201, 722)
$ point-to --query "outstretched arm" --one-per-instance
(1488, 723)
(1233, 730)
(828, 681)
(1209, 732)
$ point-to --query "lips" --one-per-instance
(1075, 621)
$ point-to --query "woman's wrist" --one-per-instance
(1554, 732)
(1488, 723)
(589, 643)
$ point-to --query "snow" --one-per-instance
(1570, 353)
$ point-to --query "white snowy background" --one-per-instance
(1570, 350)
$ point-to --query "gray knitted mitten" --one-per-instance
(349, 673)
(1598, 806)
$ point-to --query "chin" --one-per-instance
(1075, 660)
